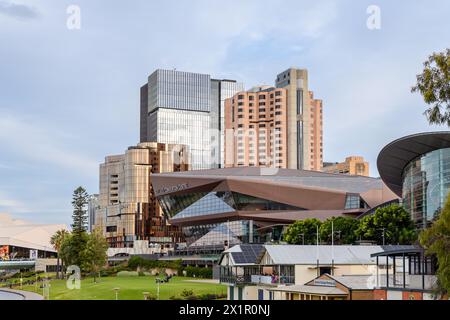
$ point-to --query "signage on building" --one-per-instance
(33, 254)
(175, 188)
(324, 283)
(4, 253)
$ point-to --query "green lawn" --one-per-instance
(131, 288)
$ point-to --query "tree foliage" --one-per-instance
(72, 249)
(79, 216)
(302, 231)
(56, 241)
(436, 241)
(434, 85)
(94, 256)
(344, 230)
(392, 221)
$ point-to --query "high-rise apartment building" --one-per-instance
(354, 165)
(256, 128)
(301, 119)
(316, 142)
(127, 209)
(186, 108)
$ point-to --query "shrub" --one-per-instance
(127, 274)
(187, 292)
(199, 272)
(137, 262)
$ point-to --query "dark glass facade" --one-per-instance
(205, 203)
(208, 203)
(426, 182)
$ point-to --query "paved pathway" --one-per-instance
(10, 294)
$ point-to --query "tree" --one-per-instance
(72, 249)
(344, 230)
(56, 241)
(436, 241)
(94, 256)
(302, 232)
(79, 216)
(391, 222)
(434, 85)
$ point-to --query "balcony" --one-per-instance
(253, 276)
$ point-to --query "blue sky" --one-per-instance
(70, 97)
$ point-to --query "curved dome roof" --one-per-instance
(394, 157)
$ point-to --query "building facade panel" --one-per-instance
(127, 208)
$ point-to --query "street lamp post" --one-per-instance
(116, 290)
(157, 290)
(303, 238)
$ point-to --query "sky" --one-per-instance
(69, 97)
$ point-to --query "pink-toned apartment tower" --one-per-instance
(316, 137)
(256, 128)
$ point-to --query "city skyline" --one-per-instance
(70, 97)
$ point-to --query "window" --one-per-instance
(352, 201)
(278, 93)
(111, 229)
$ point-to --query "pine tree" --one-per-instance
(79, 216)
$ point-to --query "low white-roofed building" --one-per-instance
(25, 240)
(258, 271)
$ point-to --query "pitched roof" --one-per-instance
(296, 254)
(26, 234)
(356, 282)
(310, 289)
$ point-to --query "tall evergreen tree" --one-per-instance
(79, 216)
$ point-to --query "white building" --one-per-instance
(252, 272)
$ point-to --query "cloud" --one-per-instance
(16, 10)
(39, 143)
(10, 204)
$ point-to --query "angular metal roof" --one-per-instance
(306, 178)
(394, 157)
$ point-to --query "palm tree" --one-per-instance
(56, 240)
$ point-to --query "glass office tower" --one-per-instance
(186, 108)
